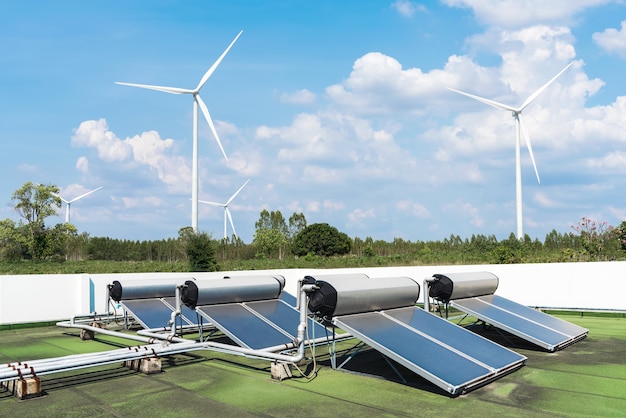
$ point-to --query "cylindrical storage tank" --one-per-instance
(231, 290)
(348, 295)
(450, 286)
(144, 289)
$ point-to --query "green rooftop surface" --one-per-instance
(584, 380)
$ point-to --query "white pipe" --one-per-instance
(106, 332)
(426, 290)
(73, 362)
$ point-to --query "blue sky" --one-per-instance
(339, 110)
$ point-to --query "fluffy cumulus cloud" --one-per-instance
(333, 147)
(515, 13)
(144, 150)
(379, 84)
(534, 56)
(96, 134)
(612, 40)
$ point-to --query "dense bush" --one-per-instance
(321, 239)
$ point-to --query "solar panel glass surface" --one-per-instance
(522, 321)
(285, 317)
(243, 326)
(425, 356)
(150, 313)
(458, 338)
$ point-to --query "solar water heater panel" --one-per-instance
(546, 320)
(243, 326)
(537, 327)
(285, 317)
(150, 313)
(450, 369)
(458, 338)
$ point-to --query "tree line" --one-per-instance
(280, 239)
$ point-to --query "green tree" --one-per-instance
(595, 236)
(271, 237)
(321, 239)
(297, 222)
(12, 245)
(200, 250)
(35, 203)
(620, 233)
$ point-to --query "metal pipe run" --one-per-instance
(19, 370)
(167, 345)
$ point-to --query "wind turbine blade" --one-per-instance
(528, 145)
(212, 203)
(85, 194)
(54, 194)
(542, 88)
(237, 192)
(230, 218)
(172, 90)
(216, 63)
(493, 103)
(207, 116)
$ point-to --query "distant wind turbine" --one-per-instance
(68, 203)
(226, 210)
(519, 126)
(197, 101)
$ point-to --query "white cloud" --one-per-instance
(474, 213)
(379, 84)
(407, 8)
(358, 216)
(543, 200)
(614, 161)
(612, 40)
(414, 208)
(301, 97)
(313, 206)
(147, 149)
(135, 202)
(331, 148)
(96, 134)
(82, 165)
(515, 13)
(333, 205)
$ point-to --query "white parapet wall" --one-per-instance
(52, 297)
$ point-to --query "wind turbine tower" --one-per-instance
(68, 203)
(197, 101)
(226, 210)
(520, 129)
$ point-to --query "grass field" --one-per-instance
(585, 379)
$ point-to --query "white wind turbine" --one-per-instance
(197, 101)
(68, 203)
(226, 210)
(519, 126)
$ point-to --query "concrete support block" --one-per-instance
(281, 371)
(150, 365)
(24, 388)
